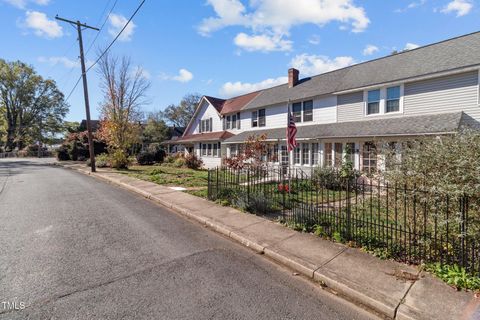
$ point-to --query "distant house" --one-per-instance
(94, 123)
(171, 145)
(350, 113)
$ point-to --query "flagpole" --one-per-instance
(288, 152)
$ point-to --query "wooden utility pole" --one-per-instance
(85, 87)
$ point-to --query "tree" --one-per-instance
(180, 115)
(124, 94)
(253, 155)
(28, 102)
(156, 130)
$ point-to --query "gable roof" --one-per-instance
(398, 126)
(236, 104)
(448, 55)
(206, 136)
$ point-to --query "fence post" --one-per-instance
(209, 186)
(349, 212)
(248, 184)
(216, 183)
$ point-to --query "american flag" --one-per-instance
(291, 132)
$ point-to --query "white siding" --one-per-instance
(439, 95)
(206, 111)
(209, 162)
(445, 94)
(324, 111)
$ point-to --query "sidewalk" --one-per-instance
(380, 285)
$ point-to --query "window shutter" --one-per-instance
(224, 119)
(211, 122)
(238, 120)
(200, 127)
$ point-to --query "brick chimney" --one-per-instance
(292, 77)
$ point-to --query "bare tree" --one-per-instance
(124, 89)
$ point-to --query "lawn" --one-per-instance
(195, 181)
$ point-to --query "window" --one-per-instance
(297, 112)
(229, 122)
(233, 150)
(393, 99)
(205, 125)
(234, 121)
(209, 148)
(261, 118)
(306, 154)
(350, 153)
(373, 103)
(275, 153)
(238, 120)
(254, 119)
(338, 154)
(296, 155)
(284, 155)
(307, 111)
(369, 156)
(204, 149)
(215, 150)
(328, 155)
(314, 154)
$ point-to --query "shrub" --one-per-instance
(158, 152)
(180, 162)
(327, 177)
(118, 159)
(62, 153)
(145, 158)
(101, 160)
(169, 159)
(193, 162)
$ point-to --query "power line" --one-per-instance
(105, 51)
(118, 35)
(101, 27)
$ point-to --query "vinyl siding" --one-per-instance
(206, 111)
(350, 107)
(446, 94)
(324, 111)
(439, 95)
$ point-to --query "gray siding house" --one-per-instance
(431, 90)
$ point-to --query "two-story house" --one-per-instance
(348, 113)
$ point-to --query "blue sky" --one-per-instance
(222, 47)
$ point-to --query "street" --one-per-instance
(73, 247)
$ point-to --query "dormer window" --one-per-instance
(384, 100)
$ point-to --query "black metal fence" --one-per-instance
(399, 222)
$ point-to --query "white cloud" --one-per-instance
(460, 7)
(66, 62)
(412, 5)
(369, 50)
(277, 17)
(310, 65)
(117, 22)
(410, 46)
(231, 89)
(183, 76)
(314, 39)
(42, 26)
(263, 43)
(22, 4)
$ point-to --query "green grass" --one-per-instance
(169, 175)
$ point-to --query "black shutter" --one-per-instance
(211, 123)
(238, 120)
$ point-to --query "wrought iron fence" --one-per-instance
(399, 222)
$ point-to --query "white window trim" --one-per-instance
(383, 101)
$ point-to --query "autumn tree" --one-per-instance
(253, 153)
(156, 130)
(124, 89)
(180, 115)
(29, 104)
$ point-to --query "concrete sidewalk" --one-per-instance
(382, 286)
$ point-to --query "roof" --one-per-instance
(95, 124)
(398, 126)
(448, 55)
(238, 103)
(215, 102)
(207, 136)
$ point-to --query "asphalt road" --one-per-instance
(72, 247)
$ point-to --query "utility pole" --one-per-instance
(85, 88)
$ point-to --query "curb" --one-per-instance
(336, 287)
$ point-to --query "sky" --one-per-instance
(221, 48)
